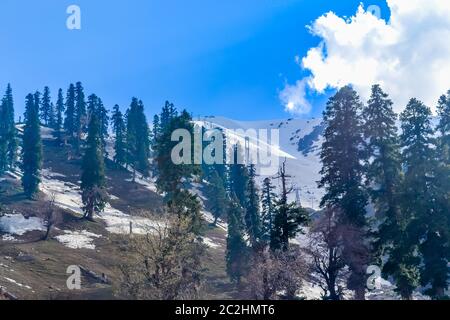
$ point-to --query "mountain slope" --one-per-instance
(299, 145)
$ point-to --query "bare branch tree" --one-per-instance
(325, 249)
(51, 217)
(167, 263)
(277, 275)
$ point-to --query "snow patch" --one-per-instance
(8, 238)
(68, 197)
(118, 222)
(210, 218)
(17, 224)
(78, 239)
(17, 283)
(210, 243)
(147, 183)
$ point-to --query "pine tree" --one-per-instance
(215, 177)
(170, 175)
(384, 179)
(173, 179)
(289, 217)
(342, 174)
(8, 132)
(103, 115)
(143, 141)
(216, 194)
(436, 248)
(156, 129)
(95, 106)
(268, 209)
(69, 121)
(80, 118)
(252, 212)
(138, 138)
(46, 108)
(236, 253)
(239, 176)
(93, 172)
(32, 147)
(3, 139)
(418, 193)
(118, 125)
(59, 115)
(92, 105)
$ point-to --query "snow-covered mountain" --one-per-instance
(299, 145)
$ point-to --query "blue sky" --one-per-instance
(229, 57)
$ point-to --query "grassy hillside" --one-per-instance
(31, 268)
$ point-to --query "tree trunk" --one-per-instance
(47, 233)
(360, 294)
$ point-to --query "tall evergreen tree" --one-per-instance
(143, 141)
(46, 109)
(252, 210)
(119, 130)
(156, 128)
(92, 105)
(170, 175)
(216, 194)
(236, 253)
(32, 147)
(80, 118)
(289, 217)
(95, 106)
(418, 192)
(138, 138)
(103, 115)
(268, 209)
(239, 176)
(69, 121)
(8, 132)
(3, 139)
(384, 180)
(342, 174)
(93, 172)
(436, 247)
(173, 179)
(214, 174)
(59, 115)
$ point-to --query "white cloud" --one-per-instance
(409, 55)
(294, 98)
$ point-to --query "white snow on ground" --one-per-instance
(47, 133)
(78, 239)
(14, 175)
(17, 224)
(17, 283)
(68, 197)
(386, 292)
(209, 218)
(113, 197)
(147, 183)
(66, 194)
(118, 222)
(210, 243)
(311, 292)
(8, 238)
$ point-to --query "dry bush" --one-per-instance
(276, 275)
(166, 264)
